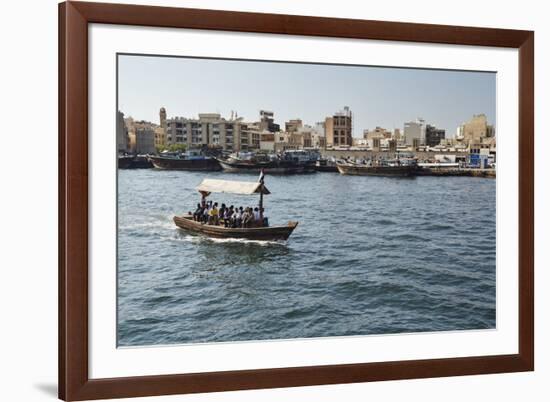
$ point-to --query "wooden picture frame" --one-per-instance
(74, 381)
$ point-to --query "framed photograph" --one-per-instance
(263, 200)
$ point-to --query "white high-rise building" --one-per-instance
(415, 130)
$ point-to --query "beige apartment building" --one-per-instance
(338, 129)
(121, 133)
(141, 136)
(213, 130)
(293, 125)
(234, 134)
(475, 131)
(210, 129)
(378, 132)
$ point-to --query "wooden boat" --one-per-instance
(125, 161)
(287, 163)
(209, 186)
(325, 165)
(376, 170)
(260, 233)
(134, 162)
(185, 162)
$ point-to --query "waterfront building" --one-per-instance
(476, 130)
(249, 138)
(160, 132)
(141, 136)
(378, 132)
(267, 142)
(296, 140)
(144, 140)
(362, 143)
(162, 117)
(210, 129)
(391, 145)
(339, 129)
(434, 135)
(282, 141)
(121, 133)
(311, 137)
(293, 125)
(160, 137)
(397, 135)
(267, 122)
(415, 133)
(318, 139)
(329, 131)
(375, 144)
(486, 146)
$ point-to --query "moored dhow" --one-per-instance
(289, 162)
(187, 161)
(134, 162)
(326, 165)
(378, 168)
(258, 230)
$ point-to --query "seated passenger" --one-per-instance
(198, 213)
(249, 222)
(222, 212)
(213, 218)
(235, 218)
(228, 216)
(239, 220)
(257, 215)
(265, 221)
(205, 213)
(245, 218)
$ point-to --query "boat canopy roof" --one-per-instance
(229, 186)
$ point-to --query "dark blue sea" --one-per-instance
(371, 255)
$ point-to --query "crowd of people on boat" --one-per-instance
(211, 213)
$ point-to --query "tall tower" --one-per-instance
(163, 117)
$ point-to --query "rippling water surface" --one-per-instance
(371, 255)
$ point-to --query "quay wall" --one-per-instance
(470, 172)
(327, 153)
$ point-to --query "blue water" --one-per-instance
(371, 255)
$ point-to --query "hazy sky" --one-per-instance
(378, 96)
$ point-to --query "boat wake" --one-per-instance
(187, 238)
(160, 223)
(243, 241)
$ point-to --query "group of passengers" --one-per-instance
(230, 217)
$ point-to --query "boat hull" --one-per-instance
(363, 170)
(206, 164)
(125, 162)
(326, 168)
(134, 162)
(276, 167)
(264, 233)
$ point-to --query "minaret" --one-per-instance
(163, 117)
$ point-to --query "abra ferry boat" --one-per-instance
(258, 232)
(191, 160)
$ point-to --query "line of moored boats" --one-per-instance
(291, 162)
